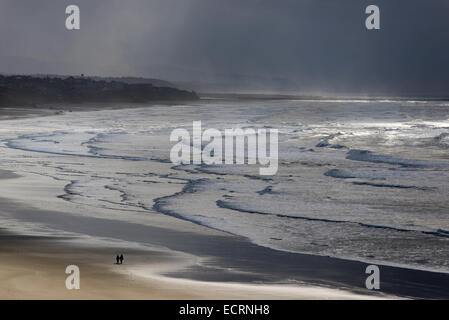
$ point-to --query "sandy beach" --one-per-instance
(34, 268)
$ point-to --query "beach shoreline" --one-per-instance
(33, 268)
(236, 267)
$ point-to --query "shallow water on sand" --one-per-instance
(364, 180)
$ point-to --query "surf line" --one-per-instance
(250, 147)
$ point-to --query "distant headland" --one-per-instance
(29, 91)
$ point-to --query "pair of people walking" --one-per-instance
(119, 259)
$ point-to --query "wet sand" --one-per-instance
(219, 261)
(34, 268)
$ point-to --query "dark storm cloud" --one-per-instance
(316, 45)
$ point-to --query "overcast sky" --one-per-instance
(316, 45)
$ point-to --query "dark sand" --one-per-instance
(259, 264)
(34, 268)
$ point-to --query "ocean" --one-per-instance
(357, 179)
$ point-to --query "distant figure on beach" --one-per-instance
(121, 259)
(117, 259)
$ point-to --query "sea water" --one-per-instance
(357, 179)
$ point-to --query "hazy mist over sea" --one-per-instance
(305, 47)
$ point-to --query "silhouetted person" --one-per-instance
(117, 259)
(121, 258)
